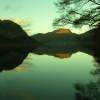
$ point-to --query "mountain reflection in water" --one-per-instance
(15, 45)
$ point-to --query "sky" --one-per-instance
(39, 14)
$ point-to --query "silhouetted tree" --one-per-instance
(78, 12)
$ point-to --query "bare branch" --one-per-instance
(94, 2)
(75, 12)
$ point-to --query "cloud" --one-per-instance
(25, 23)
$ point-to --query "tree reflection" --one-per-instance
(88, 91)
(91, 90)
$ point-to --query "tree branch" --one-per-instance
(94, 2)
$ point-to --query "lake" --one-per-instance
(42, 77)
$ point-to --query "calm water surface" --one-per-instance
(46, 78)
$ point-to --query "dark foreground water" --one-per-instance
(46, 78)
